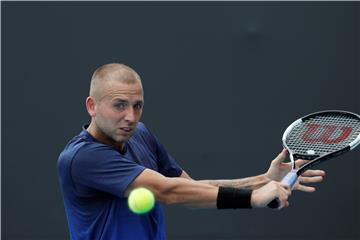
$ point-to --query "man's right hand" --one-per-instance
(264, 195)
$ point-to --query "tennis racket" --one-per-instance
(318, 137)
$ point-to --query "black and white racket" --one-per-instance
(318, 137)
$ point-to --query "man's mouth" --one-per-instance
(126, 129)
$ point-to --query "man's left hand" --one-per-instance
(278, 169)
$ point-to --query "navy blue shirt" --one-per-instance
(94, 177)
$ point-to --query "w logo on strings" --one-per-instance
(326, 134)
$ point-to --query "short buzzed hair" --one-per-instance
(109, 72)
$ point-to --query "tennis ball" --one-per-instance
(141, 200)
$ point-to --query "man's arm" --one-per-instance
(176, 190)
(243, 183)
(181, 190)
(278, 169)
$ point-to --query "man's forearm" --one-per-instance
(243, 183)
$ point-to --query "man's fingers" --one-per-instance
(284, 194)
(288, 190)
(281, 157)
(310, 173)
(306, 188)
(300, 162)
(310, 179)
(286, 187)
(283, 198)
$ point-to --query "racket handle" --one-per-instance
(274, 203)
(289, 179)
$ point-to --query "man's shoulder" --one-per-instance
(141, 129)
(142, 135)
(80, 145)
(141, 126)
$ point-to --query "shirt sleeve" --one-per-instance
(166, 163)
(103, 168)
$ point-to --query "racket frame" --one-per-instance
(314, 159)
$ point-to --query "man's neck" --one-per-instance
(96, 133)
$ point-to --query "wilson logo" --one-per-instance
(327, 134)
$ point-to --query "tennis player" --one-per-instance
(116, 153)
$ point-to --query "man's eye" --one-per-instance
(120, 105)
(138, 106)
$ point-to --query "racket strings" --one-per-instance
(322, 134)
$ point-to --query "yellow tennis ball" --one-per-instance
(141, 200)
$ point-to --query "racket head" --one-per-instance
(317, 137)
(322, 133)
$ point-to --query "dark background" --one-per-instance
(222, 82)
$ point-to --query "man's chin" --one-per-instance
(122, 139)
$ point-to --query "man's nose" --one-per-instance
(130, 115)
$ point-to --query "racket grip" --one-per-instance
(274, 203)
(289, 179)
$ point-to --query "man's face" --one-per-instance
(118, 110)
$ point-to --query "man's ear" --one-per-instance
(90, 106)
